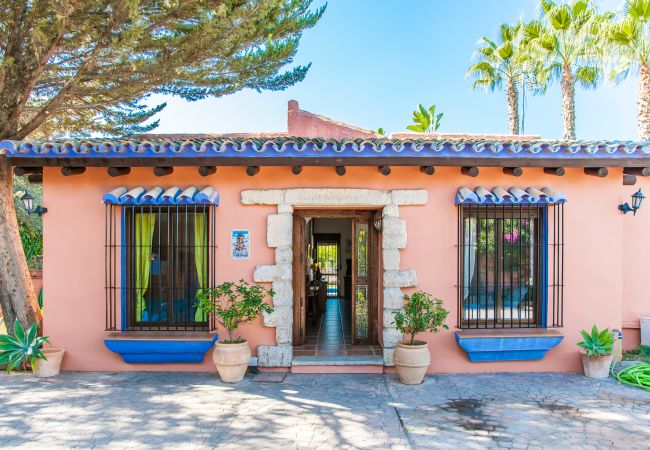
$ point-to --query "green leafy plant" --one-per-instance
(26, 346)
(598, 343)
(425, 120)
(639, 353)
(422, 312)
(234, 304)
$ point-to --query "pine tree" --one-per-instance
(82, 67)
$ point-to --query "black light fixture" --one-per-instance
(28, 204)
(637, 199)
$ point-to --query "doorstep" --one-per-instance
(337, 364)
(518, 344)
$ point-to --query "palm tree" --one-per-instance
(565, 40)
(425, 120)
(499, 63)
(630, 43)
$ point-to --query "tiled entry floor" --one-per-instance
(332, 335)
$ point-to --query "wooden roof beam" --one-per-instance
(596, 171)
(514, 171)
(638, 171)
(118, 171)
(384, 170)
(557, 171)
(471, 171)
(629, 180)
(163, 171)
(204, 171)
(22, 171)
(70, 171)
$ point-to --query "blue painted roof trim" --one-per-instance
(310, 148)
(173, 195)
(511, 196)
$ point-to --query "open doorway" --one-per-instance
(336, 262)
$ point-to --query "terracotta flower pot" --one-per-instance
(596, 366)
(231, 360)
(51, 366)
(412, 361)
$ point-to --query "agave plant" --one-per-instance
(26, 346)
(598, 343)
(425, 120)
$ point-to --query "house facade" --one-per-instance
(521, 238)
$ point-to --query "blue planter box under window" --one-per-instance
(159, 351)
(507, 345)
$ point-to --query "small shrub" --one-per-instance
(422, 312)
(640, 353)
(234, 304)
(598, 343)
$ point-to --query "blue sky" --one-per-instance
(373, 61)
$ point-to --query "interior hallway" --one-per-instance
(332, 335)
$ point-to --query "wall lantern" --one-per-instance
(378, 221)
(28, 204)
(637, 199)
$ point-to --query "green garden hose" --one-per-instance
(638, 376)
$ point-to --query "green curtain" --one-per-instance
(200, 253)
(144, 226)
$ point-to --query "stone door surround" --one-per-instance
(279, 235)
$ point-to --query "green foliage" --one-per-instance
(425, 120)
(381, 131)
(25, 346)
(500, 61)
(89, 67)
(422, 312)
(629, 39)
(640, 353)
(568, 36)
(598, 343)
(30, 227)
(234, 304)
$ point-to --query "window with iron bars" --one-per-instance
(157, 258)
(510, 266)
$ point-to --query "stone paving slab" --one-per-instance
(187, 410)
(196, 411)
(519, 411)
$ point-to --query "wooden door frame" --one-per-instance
(299, 273)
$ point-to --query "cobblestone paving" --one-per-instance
(522, 411)
(181, 410)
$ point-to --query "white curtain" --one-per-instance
(469, 258)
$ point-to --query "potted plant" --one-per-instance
(233, 304)
(597, 352)
(26, 347)
(422, 312)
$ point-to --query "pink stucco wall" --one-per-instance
(606, 255)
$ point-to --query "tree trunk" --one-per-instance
(568, 104)
(512, 97)
(643, 103)
(17, 296)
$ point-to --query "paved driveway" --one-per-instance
(181, 410)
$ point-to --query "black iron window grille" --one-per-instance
(510, 266)
(157, 258)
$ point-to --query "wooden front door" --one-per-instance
(299, 285)
(365, 270)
